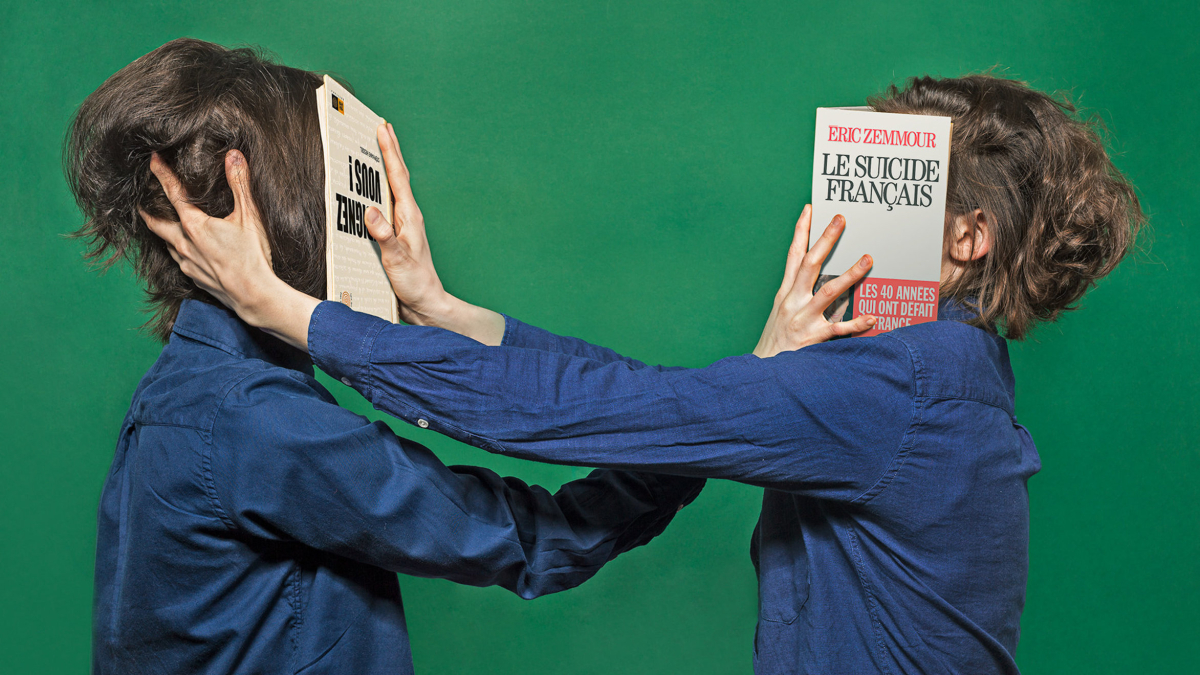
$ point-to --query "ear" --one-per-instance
(969, 237)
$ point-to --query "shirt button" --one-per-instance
(346, 381)
(423, 423)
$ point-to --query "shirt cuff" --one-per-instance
(341, 340)
(524, 336)
(511, 326)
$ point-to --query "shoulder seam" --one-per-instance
(907, 439)
(210, 483)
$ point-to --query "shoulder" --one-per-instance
(863, 387)
(958, 361)
(212, 391)
(263, 402)
(867, 362)
(185, 391)
(273, 425)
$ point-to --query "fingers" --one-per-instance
(169, 230)
(393, 161)
(859, 324)
(796, 250)
(175, 190)
(172, 233)
(179, 260)
(237, 173)
(396, 145)
(810, 267)
(835, 287)
(380, 228)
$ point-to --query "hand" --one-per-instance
(797, 317)
(230, 257)
(404, 247)
(404, 250)
(245, 261)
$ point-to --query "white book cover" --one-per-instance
(354, 182)
(886, 174)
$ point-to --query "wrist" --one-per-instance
(439, 312)
(763, 348)
(262, 302)
(458, 316)
(285, 313)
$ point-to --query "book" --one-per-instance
(355, 180)
(886, 174)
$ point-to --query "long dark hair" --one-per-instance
(191, 102)
(1061, 215)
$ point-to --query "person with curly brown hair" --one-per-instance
(894, 529)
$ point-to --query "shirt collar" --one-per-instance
(963, 311)
(220, 328)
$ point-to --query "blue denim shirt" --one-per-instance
(894, 529)
(250, 525)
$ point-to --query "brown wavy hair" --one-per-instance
(191, 102)
(1060, 215)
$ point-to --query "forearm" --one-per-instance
(524, 336)
(792, 422)
(284, 312)
(289, 465)
(589, 522)
(561, 408)
(503, 532)
(279, 310)
(455, 315)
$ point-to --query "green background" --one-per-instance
(630, 172)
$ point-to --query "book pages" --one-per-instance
(886, 174)
(355, 181)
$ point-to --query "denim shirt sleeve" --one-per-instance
(287, 464)
(524, 336)
(830, 420)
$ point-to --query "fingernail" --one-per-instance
(235, 158)
(372, 215)
(865, 262)
(870, 321)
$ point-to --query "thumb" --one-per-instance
(237, 173)
(245, 213)
(380, 228)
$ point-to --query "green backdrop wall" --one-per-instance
(629, 172)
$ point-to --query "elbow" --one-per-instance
(532, 585)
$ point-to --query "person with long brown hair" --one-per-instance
(248, 523)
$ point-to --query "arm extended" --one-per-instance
(288, 465)
(795, 421)
(789, 422)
